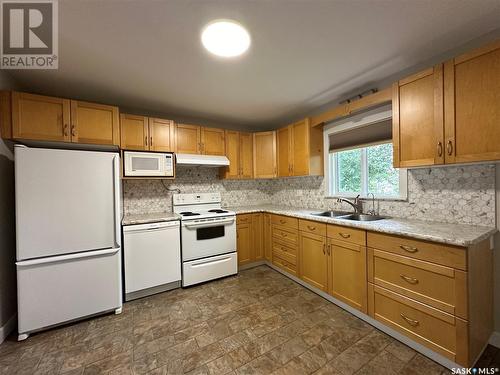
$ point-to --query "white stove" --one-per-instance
(208, 237)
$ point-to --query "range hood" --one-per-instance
(202, 160)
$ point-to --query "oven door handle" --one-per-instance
(208, 224)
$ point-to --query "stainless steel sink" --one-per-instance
(361, 217)
(330, 213)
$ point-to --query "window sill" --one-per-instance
(365, 198)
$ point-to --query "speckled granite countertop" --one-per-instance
(149, 218)
(452, 234)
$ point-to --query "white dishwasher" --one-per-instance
(152, 257)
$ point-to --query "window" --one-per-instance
(366, 170)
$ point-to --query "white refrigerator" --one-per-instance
(68, 236)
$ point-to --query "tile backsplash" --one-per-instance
(464, 194)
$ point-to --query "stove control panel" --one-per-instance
(196, 198)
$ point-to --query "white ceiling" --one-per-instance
(147, 55)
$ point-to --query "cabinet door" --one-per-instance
(246, 155)
(244, 243)
(264, 154)
(267, 236)
(93, 123)
(472, 105)
(258, 239)
(161, 135)
(283, 154)
(313, 260)
(134, 132)
(348, 275)
(212, 141)
(40, 117)
(418, 119)
(188, 139)
(300, 148)
(232, 140)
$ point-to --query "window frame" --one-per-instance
(330, 167)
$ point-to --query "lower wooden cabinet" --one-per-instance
(348, 275)
(258, 238)
(313, 260)
(267, 236)
(244, 239)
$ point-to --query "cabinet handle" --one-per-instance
(146, 140)
(440, 149)
(449, 147)
(65, 130)
(311, 228)
(410, 321)
(150, 141)
(73, 130)
(409, 249)
(282, 221)
(344, 235)
(409, 279)
(324, 249)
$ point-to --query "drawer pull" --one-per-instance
(410, 321)
(409, 279)
(284, 234)
(282, 221)
(409, 249)
(283, 249)
(344, 235)
(311, 228)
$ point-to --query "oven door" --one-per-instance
(204, 238)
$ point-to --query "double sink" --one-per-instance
(349, 216)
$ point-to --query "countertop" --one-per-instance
(149, 218)
(451, 234)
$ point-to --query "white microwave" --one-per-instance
(148, 164)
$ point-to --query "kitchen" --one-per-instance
(154, 232)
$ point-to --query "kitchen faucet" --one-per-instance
(356, 204)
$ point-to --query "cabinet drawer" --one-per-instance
(285, 234)
(430, 327)
(312, 227)
(289, 257)
(357, 236)
(285, 221)
(243, 219)
(284, 264)
(438, 286)
(451, 256)
(283, 246)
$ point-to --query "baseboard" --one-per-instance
(495, 339)
(7, 328)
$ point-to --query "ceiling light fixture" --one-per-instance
(225, 38)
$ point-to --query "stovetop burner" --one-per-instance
(189, 213)
(218, 211)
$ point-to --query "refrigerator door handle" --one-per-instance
(62, 258)
(116, 179)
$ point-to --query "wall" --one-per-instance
(7, 227)
(496, 266)
(448, 194)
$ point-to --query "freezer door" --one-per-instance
(66, 201)
(60, 289)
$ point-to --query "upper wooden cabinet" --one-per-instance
(161, 135)
(239, 151)
(188, 139)
(212, 141)
(418, 119)
(472, 106)
(264, 154)
(93, 123)
(149, 134)
(300, 150)
(449, 114)
(45, 118)
(134, 132)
